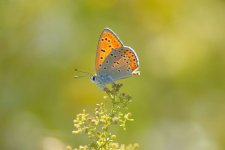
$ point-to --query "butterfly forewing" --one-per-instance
(107, 42)
(120, 63)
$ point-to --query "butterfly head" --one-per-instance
(93, 78)
(97, 80)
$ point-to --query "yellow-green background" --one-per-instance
(178, 101)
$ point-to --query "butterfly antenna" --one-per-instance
(84, 72)
(79, 76)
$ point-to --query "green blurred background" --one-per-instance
(178, 101)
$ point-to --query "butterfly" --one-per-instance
(114, 61)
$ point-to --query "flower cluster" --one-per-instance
(97, 126)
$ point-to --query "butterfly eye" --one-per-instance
(93, 78)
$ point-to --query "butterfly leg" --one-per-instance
(102, 87)
(110, 80)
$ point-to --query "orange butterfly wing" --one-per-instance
(106, 43)
(134, 63)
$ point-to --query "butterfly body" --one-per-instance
(113, 60)
(102, 80)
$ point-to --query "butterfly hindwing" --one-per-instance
(107, 42)
(120, 63)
